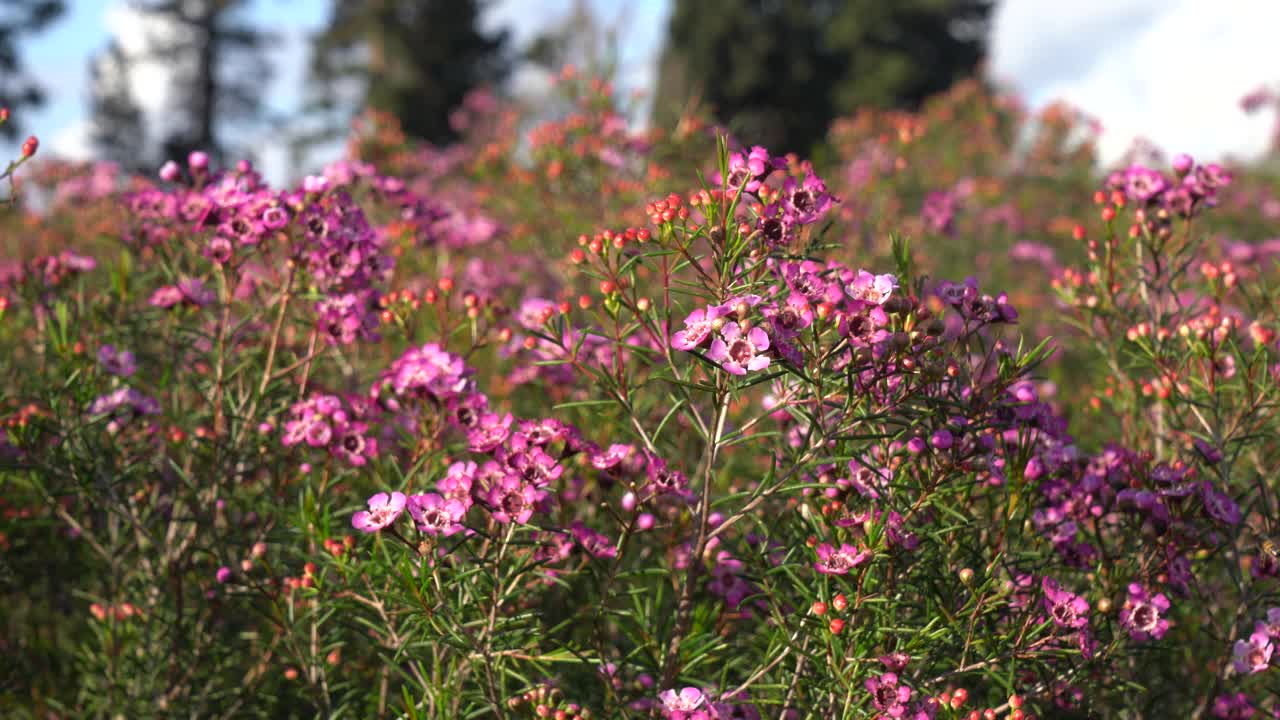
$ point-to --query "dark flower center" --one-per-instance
(1145, 617)
(741, 351)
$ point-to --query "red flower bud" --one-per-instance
(837, 626)
(30, 146)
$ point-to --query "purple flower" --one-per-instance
(122, 405)
(117, 362)
(383, 510)
(663, 480)
(1143, 614)
(738, 353)
(1233, 707)
(1219, 505)
(838, 562)
(1067, 609)
(1253, 655)
(791, 316)
(435, 515)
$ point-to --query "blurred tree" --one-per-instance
(117, 125)
(17, 90)
(415, 59)
(778, 71)
(218, 66)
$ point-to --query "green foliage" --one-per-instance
(779, 72)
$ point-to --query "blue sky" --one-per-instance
(1170, 70)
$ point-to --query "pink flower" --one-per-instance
(1253, 655)
(698, 327)
(383, 510)
(1067, 609)
(838, 562)
(690, 698)
(1142, 614)
(435, 515)
(738, 353)
(874, 289)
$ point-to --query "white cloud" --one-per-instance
(73, 142)
(1172, 72)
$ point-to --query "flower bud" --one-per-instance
(169, 172)
(30, 146)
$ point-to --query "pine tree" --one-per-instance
(219, 70)
(778, 71)
(118, 128)
(415, 59)
(17, 88)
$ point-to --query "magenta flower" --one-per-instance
(698, 327)
(1253, 655)
(435, 515)
(597, 544)
(738, 353)
(806, 202)
(1067, 609)
(748, 171)
(457, 481)
(490, 433)
(887, 695)
(838, 562)
(788, 318)
(1143, 614)
(511, 500)
(383, 510)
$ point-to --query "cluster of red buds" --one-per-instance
(338, 548)
(839, 604)
(668, 209)
(123, 611)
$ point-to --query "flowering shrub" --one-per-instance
(391, 443)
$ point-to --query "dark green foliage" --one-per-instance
(778, 71)
(415, 59)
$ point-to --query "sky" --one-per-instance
(1170, 71)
